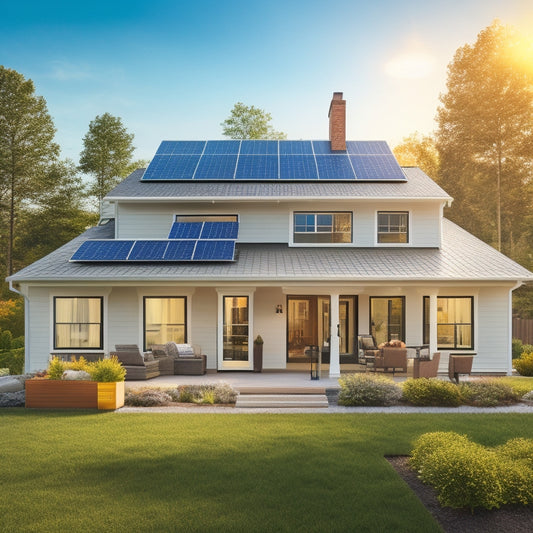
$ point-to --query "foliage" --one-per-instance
(431, 392)
(518, 348)
(249, 122)
(56, 367)
(524, 364)
(26, 148)
(13, 359)
(484, 139)
(368, 389)
(107, 152)
(146, 397)
(4, 371)
(106, 370)
(528, 396)
(418, 150)
(466, 474)
(519, 384)
(6, 339)
(488, 393)
(208, 393)
(12, 315)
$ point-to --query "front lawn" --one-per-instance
(64, 471)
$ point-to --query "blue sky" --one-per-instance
(174, 70)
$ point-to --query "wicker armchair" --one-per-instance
(137, 368)
(188, 360)
(426, 368)
(166, 362)
(391, 357)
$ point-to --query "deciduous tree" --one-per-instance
(249, 122)
(418, 150)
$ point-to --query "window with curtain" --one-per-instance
(78, 323)
(165, 320)
(454, 322)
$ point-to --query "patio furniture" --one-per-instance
(426, 368)
(166, 362)
(391, 357)
(459, 363)
(188, 360)
(138, 367)
(368, 346)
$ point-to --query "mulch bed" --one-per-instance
(510, 518)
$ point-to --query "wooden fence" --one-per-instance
(523, 330)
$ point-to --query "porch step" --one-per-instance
(282, 400)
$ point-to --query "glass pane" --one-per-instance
(78, 336)
(235, 328)
(387, 318)
(164, 321)
(464, 337)
(445, 336)
(301, 325)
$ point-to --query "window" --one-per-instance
(207, 218)
(164, 320)
(454, 322)
(393, 226)
(320, 228)
(387, 318)
(78, 323)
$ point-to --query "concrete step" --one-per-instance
(282, 400)
(281, 390)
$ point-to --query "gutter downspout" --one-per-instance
(510, 341)
(26, 325)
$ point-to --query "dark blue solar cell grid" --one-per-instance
(185, 230)
(148, 251)
(332, 167)
(181, 147)
(259, 148)
(179, 251)
(377, 167)
(103, 251)
(368, 148)
(257, 167)
(297, 167)
(220, 230)
(214, 251)
(295, 147)
(216, 167)
(222, 147)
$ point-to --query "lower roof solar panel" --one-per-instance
(103, 250)
(148, 251)
(214, 251)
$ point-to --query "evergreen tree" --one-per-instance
(26, 149)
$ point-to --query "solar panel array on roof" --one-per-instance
(273, 160)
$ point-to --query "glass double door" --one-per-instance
(308, 323)
(235, 333)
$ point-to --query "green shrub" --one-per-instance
(431, 392)
(524, 364)
(427, 443)
(368, 389)
(518, 348)
(6, 338)
(14, 360)
(80, 364)
(208, 393)
(17, 342)
(518, 449)
(488, 393)
(146, 397)
(4, 371)
(56, 368)
(106, 370)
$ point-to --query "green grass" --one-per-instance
(522, 384)
(65, 471)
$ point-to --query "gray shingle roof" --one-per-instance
(418, 185)
(462, 257)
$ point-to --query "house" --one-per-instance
(301, 242)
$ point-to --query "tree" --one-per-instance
(26, 149)
(485, 136)
(418, 150)
(59, 214)
(107, 152)
(249, 122)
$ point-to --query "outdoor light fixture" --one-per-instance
(279, 309)
(313, 352)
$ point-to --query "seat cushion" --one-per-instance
(130, 358)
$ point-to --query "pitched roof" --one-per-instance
(418, 185)
(462, 257)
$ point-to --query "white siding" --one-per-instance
(38, 345)
(271, 222)
(203, 323)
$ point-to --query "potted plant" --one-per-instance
(258, 354)
(102, 386)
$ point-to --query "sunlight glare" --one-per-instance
(411, 65)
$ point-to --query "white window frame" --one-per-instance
(320, 244)
(409, 228)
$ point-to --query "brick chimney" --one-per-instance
(337, 122)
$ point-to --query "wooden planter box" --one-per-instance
(50, 393)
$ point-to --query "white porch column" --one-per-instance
(334, 359)
(432, 323)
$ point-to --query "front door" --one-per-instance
(234, 348)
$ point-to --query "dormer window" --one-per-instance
(322, 228)
(393, 227)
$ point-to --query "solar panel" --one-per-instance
(148, 251)
(179, 251)
(265, 160)
(220, 230)
(103, 250)
(332, 167)
(214, 251)
(297, 167)
(257, 167)
(217, 167)
(185, 230)
(374, 167)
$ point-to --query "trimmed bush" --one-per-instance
(368, 389)
(431, 392)
(208, 393)
(488, 393)
(56, 368)
(106, 370)
(524, 364)
(518, 348)
(518, 450)
(426, 445)
(146, 397)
